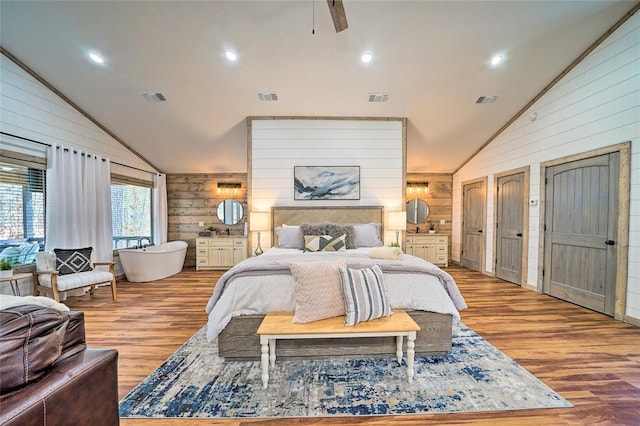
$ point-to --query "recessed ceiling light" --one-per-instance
(366, 57)
(96, 57)
(496, 59)
(231, 55)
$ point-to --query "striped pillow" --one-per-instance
(365, 296)
(324, 242)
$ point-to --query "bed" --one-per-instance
(264, 284)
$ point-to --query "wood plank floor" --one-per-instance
(590, 359)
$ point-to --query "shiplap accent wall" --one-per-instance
(597, 104)
(30, 110)
(277, 145)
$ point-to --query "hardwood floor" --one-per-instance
(590, 359)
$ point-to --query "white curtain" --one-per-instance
(79, 202)
(160, 209)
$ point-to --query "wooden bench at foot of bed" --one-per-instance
(239, 341)
(279, 326)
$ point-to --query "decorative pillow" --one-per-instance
(367, 235)
(365, 295)
(324, 242)
(290, 237)
(71, 261)
(318, 291)
(330, 229)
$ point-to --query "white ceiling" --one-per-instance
(431, 57)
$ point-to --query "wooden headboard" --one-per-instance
(298, 215)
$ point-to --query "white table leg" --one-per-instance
(272, 352)
(399, 349)
(410, 354)
(264, 358)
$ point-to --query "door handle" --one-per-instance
(519, 234)
(480, 231)
(610, 242)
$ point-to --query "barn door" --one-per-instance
(580, 230)
(473, 195)
(509, 227)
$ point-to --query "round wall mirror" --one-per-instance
(230, 212)
(417, 211)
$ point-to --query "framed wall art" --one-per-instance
(326, 183)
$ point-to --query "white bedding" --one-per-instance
(259, 294)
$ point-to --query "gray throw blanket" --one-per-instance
(279, 265)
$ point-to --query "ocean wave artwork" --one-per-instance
(326, 183)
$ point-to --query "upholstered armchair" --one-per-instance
(60, 271)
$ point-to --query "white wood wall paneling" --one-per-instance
(32, 111)
(280, 145)
(596, 105)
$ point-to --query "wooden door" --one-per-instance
(473, 207)
(509, 227)
(580, 230)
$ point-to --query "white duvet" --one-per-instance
(259, 294)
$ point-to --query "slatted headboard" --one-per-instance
(298, 215)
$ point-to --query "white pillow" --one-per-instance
(318, 291)
(367, 235)
(290, 237)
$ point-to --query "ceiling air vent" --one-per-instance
(155, 97)
(378, 97)
(268, 96)
(487, 99)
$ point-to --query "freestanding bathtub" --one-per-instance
(153, 262)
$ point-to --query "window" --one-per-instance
(131, 214)
(22, 212)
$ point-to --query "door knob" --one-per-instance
(610, 242)
(519, 234)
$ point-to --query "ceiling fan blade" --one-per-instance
(337, 14)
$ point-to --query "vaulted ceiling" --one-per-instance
(431, 57)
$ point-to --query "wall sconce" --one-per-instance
(229, 188)
(417, 188)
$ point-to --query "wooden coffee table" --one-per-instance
(278, 325)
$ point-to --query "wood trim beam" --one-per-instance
(553, 82)
(49, 86)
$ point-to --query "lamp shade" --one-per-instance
(259, 221)
(397, 221)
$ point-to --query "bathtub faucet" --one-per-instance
(145, 245)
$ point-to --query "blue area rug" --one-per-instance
(474, 376)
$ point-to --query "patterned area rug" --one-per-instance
(473, 376)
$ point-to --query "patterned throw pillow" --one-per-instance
(318, 291)
(324, 242)
(329, 228)
(365, 296)
(71, 261)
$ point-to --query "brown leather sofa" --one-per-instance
(47, 374)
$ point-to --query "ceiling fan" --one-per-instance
(337, 15)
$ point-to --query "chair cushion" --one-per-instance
(71, 261)
(78, 280)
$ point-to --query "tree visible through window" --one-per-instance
(131, 215)
(22, 212)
